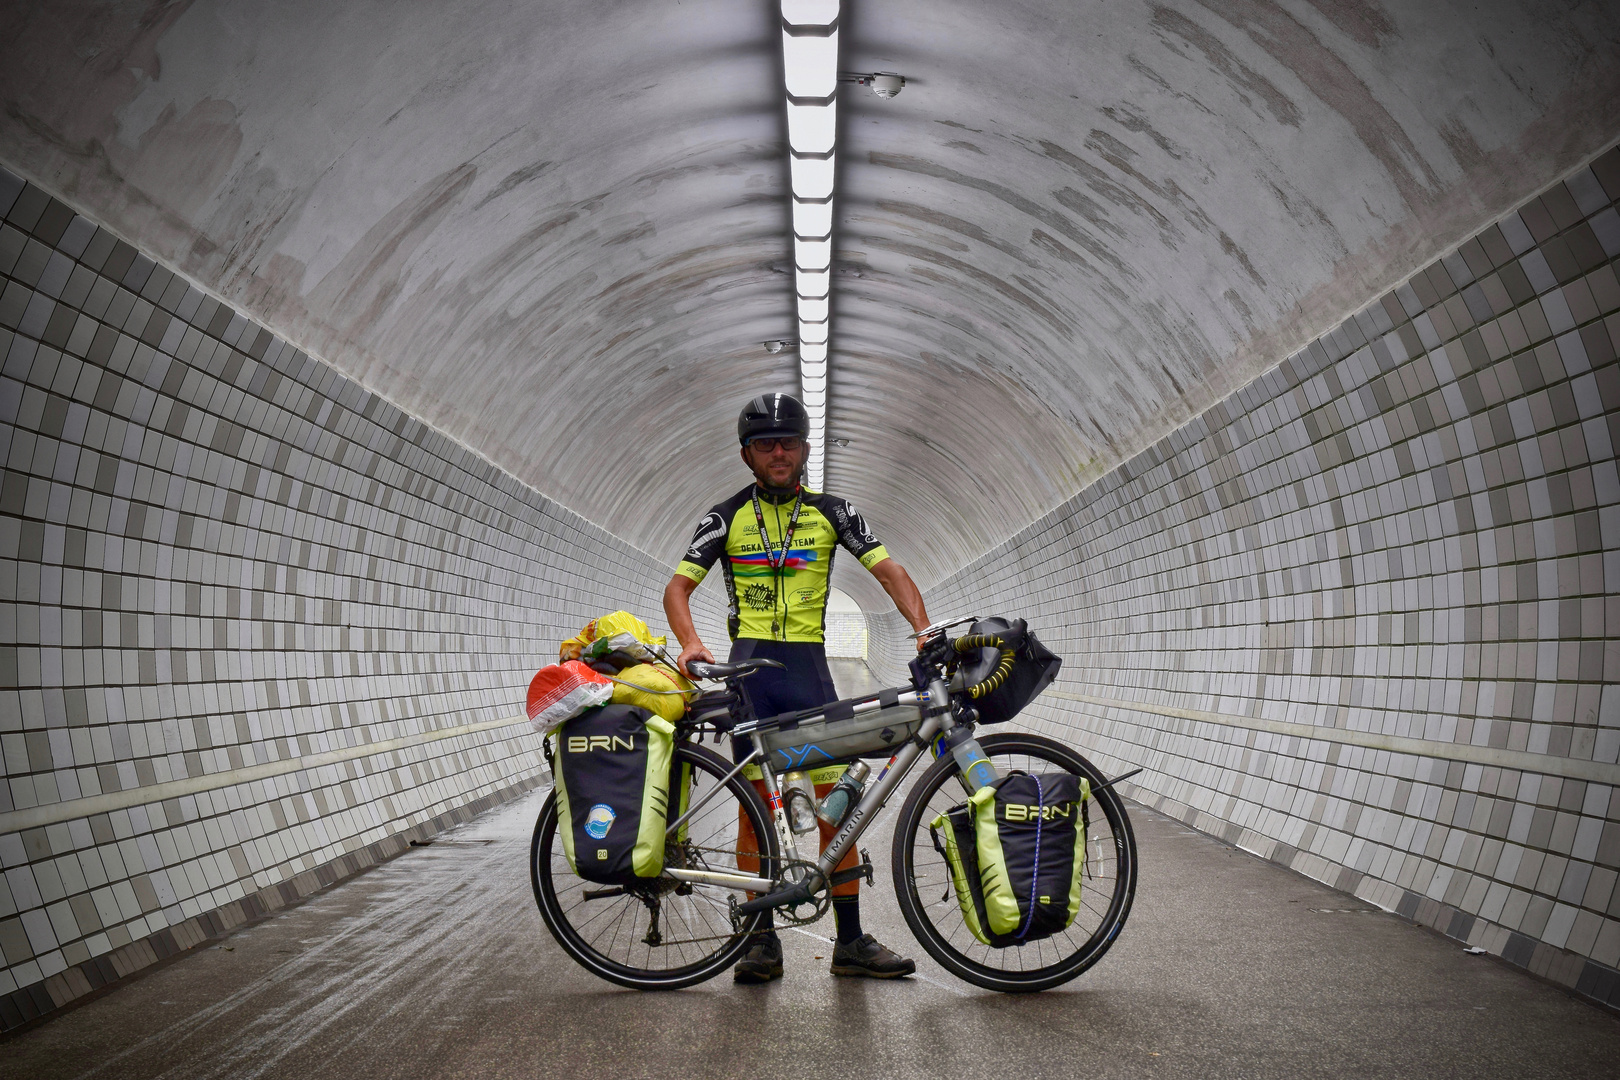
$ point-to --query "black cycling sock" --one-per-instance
(770, 922)
(847, 914)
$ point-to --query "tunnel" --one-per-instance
(1261, 354)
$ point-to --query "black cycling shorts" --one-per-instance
(805, 683)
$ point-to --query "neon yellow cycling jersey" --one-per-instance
(787, 603)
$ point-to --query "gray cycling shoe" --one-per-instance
(864, 956)
(761, 963)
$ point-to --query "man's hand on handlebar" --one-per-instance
(694, 651)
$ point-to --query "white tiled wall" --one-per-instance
(1363, 617)
(225, 573)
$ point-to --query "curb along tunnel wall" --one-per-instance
(1363, 616)
(227, 572)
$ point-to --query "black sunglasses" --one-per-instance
(789, 443)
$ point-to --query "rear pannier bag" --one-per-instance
(613, 774)
(1016, 852)
(1034, 668)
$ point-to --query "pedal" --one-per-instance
(866, 860)
(854, 873)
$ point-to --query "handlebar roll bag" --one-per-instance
(1034, 668)
(1016, 852)
(613, 778)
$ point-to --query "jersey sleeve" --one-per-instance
(708, 543)
(855, 534)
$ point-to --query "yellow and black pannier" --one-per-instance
(1016, 852)
(613, 779)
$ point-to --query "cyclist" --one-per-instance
(777, 540)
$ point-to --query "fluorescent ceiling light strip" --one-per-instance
(810, 12)
(812, 254)
(812, 177)
(810, 65)
(813, 282)
(810, 71)
(812, 219)
(812, 128)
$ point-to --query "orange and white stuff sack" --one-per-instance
(560, 692)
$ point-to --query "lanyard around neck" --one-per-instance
(776, 559)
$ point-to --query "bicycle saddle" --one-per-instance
(699, 670)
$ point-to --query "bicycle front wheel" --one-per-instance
(922, 878)
(661, 934)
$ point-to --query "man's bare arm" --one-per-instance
(678, 612)
(903, 591)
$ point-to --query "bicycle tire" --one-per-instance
(937, 920)
(605, 942)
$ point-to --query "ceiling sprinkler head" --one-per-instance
(777, 345)
(887, 84)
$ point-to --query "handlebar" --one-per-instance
(1004, 663)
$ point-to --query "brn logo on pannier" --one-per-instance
(584, 744)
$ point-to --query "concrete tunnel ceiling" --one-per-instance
(559, 230)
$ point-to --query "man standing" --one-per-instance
(776, 541)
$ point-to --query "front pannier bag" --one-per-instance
(1016, 851)
(613, 773)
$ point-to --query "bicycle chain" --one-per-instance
(823, 902)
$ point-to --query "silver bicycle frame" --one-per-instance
(935, 718)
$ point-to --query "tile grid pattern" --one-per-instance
(1410, 528)
(217, 553)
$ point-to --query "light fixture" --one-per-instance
(813, 282)
(810, 12)
(810, 80)
(812, 177)
(812, 219)
(810, 62)
(811, 128)
(812, 254)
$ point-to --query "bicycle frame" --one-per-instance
(933, 707)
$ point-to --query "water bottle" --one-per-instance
(976, 770)
(799, 796)
(843, 795)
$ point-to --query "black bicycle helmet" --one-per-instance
(772, 414)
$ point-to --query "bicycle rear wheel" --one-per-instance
(922, 878)
(608, 931)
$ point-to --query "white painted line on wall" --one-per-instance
(1597, 772)
(33, 817)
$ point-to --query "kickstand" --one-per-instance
(654, 935)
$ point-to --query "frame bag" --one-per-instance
(613, 777)
(1016, 852)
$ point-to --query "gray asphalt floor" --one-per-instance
(437, 965)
